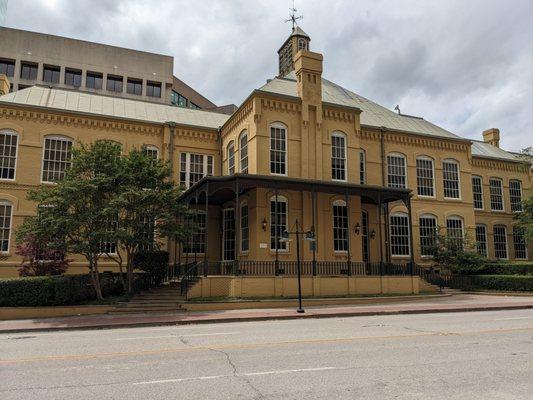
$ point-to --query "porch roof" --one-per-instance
(221, 189)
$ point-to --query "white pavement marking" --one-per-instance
(202, 378)
(175, 336)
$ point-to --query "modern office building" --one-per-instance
(3, 12)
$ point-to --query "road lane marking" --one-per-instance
(202, 378)
(178, 335)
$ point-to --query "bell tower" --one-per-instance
(298, 40)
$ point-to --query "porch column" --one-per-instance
(206, 228)
(237, 219)
(196, 223)
(276, 222)
(313, 229)
(348, 261)
(411, 244)
(380, 236)
(387, 233)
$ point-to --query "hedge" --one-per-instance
(514, 283)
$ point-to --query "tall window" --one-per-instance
(428, 234)
(338, 157)
(230, 153)
(56, 158)
(362, 167)
(151, 152)
(520, 245)
(245, 233)
(278, 222)
(496, 194)
(278, 150)
(73, 77)
(109, 247)
(228, 234)
(243, 152)
(500, 242)
(148, 231)
(399, 234)
(114, 83)
(194, 167)
(8, 154)
(340, 226)
(196, 242)
(481, 239)
(364, 236)
(6, 216)
(515, 193)
(424, 177)
(94, 80)
(397, 171)
(450, 174)
(454, 228)
(477, 192)
(302, 44)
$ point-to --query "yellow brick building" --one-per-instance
(370, 185)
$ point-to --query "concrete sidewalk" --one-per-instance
(456, 303)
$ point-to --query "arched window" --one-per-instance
(8, 153)
(56, 158)
(302, 44)
(450, 179)
(425, 173)
(245, 233)
(6, 220)
(340, 226)
(399, 234)
(278, 222)
(151, 151)
(477, 192)
(397, 170)
(362, 166)
(338, 156)
(231, 158)
(427, 226)
(481, 239)
(243, 151)
(496, 194)
(500, 242)
(278, 149)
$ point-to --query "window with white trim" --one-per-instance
(519, 242)
(8, 153)
(302, 44)
(500, 242)
(6, 218)
(496, 194)
(151, 152)
(338, 156)
(340, 226)
(228, 234)
(278, 222)
(454, 228)
(424, 177)
(57, 156)
(362, 166)
(399, 234)
(230, 154)
(450, 179)
(515, 194)
(194, 167)
(245, 230)
(427, 225)
(243, 152)
(278, 150)
(397, 171)
(477, 192)
(109, 247)
(148, 231)
(481, 239)
(196, 242)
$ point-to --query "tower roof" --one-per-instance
(296, 31)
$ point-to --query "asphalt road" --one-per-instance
(482, 355)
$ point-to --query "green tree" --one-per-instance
(458, 254)
(525, 219)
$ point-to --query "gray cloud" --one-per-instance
(465, 66)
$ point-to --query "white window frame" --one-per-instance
(481, 192)
(397, 175)
(191, 245)
(392, 227)
(517, 229)
(10, 205)
(278, 125)
(344, 160)
(418, 187)
(517, 194)
(208, 167)
(426, 228)
(462, 229)
(451, 161)
(300, 47)
(11, 133)
(506, 242)
(502, 197)
(282, 246)
(230, 155)
(111, 226)
(243, 152)
(244, 228)
(362, 166)
(228, 239)
(149, 149)
(485, 250)
(338, 242)
(54, 137)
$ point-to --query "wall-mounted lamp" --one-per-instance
(357, 228)
(264, 224)
(373, 234)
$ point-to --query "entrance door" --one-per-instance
(228, 234)
(364, 236)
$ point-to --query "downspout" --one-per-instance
(219, 139)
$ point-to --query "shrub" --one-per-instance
(154, 263)
(40, 257)
(458, 254)
(502, 268)
(514, 283)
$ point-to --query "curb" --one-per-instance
(267, 318)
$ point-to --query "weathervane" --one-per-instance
(293, 18)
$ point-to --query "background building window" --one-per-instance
(481, 239)
(56, 158)
(428, 234)
(477, 192)
(28, 71)
(230, 153)
(496, 194)
(397, 172)
(196, 242)
(194, 167)
(500, 242)
(519, 241)
(399, 234)
(424, 177)
(228, 234)
(340, 226)
(245, 233)
(8, 154)
(194, 106)
(278, 222)
(94, 80)
(450, 174)
(278, 150)
(243, 152)
(515, 194)
(51, 74)
(6, 217)
(73, 77)
(177, 99)
(134, 86)
(362, 167)
(114, 83)
(338, 157)
(7, 67)
(153, 89)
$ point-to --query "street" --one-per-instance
(476, 355)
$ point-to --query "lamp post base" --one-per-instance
(300, 310)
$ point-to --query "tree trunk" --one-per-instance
(93, 265)
(129, 270)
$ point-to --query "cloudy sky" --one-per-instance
(464, 65)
